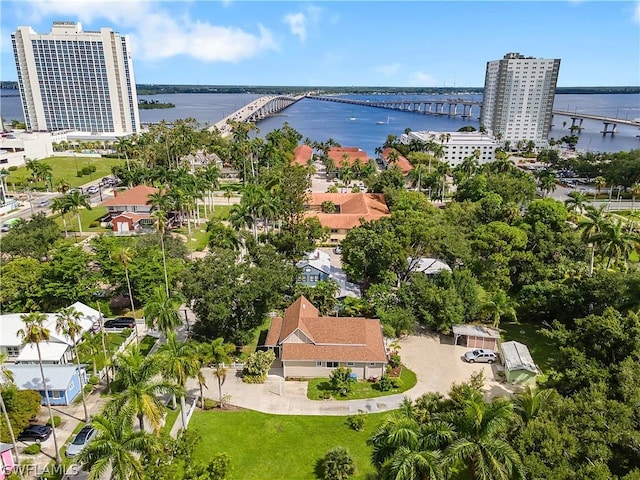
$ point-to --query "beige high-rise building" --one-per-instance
(518, 97)
(75, 79)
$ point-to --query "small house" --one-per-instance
(518, 364)
(63, 381)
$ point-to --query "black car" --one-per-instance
(36, 433)
(120, 322)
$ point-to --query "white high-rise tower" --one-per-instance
(70, 79)
(518, 97)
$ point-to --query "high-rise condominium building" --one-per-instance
(70, 79)
(518, 97)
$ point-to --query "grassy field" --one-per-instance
(362, 388)
(112, 341)
(541, 347)
(170, 419)
(279, 446)
(64, 168)
(87, 218)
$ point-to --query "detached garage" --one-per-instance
(518, 363)
(476, 336)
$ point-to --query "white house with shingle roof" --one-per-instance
(309, 345)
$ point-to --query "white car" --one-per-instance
(93, 189)
(481, 355)
(84, 436)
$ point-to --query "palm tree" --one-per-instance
(160, 221)
(68, 323)
(6, 377)
(63, 186)
(531, 401)
(338, 465)
(124, 255)
(160, 312)
(416, 175)
(593, 223)
(600, 182)
(635, 191)
(478, 443)
(220, 357)
(93, 343)
(60, 204)
(616, 242)
(179, 361)
(35, 332)
(118, 447)
(498, 307)
(576, 202)
(76, 201)
(139, 396)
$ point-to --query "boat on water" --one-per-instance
(380, 122)
(352, 118)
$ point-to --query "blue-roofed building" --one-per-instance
(63, 381)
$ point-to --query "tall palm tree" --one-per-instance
(635, 191)
(161, 313)
(416, 174)
(220, 357)
(5, 378)
(531, 401)
(35, 332)
(576, 202)
(480, 428)
(498, 307)
(124, 255)
(68, 323)
(76, 201)
(139, 395)
(599, 182)
(591, 226)
(179, 362)
(60, 204)
(160, 221)
(118, 447)
(616, 242)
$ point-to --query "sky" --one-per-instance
(339, 43)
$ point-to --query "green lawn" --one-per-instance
(146, 344)
(64, 168)
(541, 347)
(87, 218)
(112, 342)
(279, 446)
(362, 388)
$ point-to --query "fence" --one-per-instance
(120, 349)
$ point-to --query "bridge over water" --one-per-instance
(255, 111)
(606, 121)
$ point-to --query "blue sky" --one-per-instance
(365, 43)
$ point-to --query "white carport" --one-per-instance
(478, 336)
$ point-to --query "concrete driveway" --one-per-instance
(438, 364)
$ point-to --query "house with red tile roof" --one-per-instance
(309, 345)
(348, 155)
(302, 154)
(130, 210)
(350, 209)
(401, 161)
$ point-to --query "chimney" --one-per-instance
(115, 192)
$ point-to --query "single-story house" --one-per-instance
(518, 363)
(309, 345)
(7, 462)
(129, 222)
(56, 351)
(317, 267)
(477, 336)
(63, 381)
(350, 209)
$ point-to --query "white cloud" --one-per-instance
(388, 70)
(636, 13)
(421, 79)
(297, 24)
(157, 34)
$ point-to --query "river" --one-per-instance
(320, 120)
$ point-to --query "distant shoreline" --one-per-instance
(153, 89)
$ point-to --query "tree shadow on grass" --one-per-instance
(318, 469)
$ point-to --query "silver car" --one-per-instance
(84, 436)
(481, 355)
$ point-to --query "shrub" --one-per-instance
(394, 360)
(32, 449)
(257, 366)
(94, 224)
(338, 465)
(88, 388)
(94, 380)
(357, 421)
(13, 168)
(210, 404)
(56, 421)
(341, 381)
(21, 406)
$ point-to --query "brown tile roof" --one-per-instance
(337, 154)
(302, 154)
(351, 208)
(403, 164)
(134, 196)
(329, 338)
(132, 216)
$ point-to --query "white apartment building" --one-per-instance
(458, 145)
(518, 97)
(75, 79)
